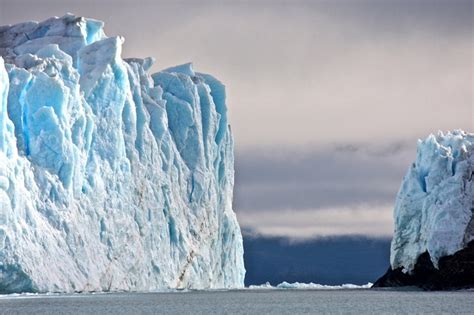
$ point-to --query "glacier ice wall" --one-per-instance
(110, 178)
(434, 210)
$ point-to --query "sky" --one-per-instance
(327, 98)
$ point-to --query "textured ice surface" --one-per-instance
(435, 205)
(110, 178)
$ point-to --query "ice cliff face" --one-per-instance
(110, 178)
(434, 211)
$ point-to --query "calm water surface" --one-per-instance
(247, 302)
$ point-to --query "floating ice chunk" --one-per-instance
(309, 286)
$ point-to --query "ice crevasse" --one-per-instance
(111, 178)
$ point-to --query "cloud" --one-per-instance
(369, 220)
(340, 189)
(305, 72)
(333, 176)
(324, 90)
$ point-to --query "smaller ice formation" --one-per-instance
(434, 208)
(434, 222)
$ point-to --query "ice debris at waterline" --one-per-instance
(434, 216)
(309, 286)
(110, 178)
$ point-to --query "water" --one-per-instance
(246, 302)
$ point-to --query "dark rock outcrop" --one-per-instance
(454, 272)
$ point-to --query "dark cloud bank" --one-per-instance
(337, 190)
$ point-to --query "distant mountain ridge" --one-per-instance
(327, 261)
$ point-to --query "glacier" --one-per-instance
(434, 210)
(111, 178)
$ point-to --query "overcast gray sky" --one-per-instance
(327, 98)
